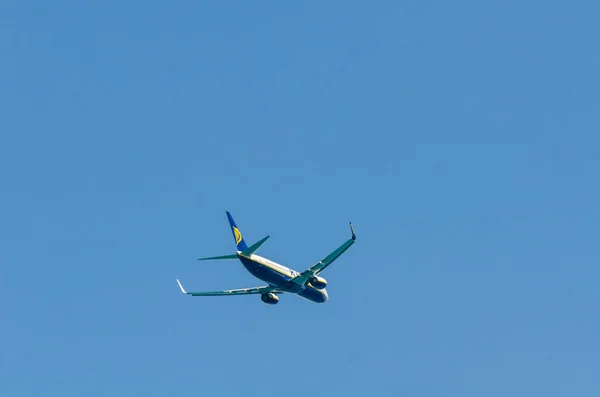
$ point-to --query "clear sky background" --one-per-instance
(460, 138)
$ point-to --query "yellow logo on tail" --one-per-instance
(238, 235)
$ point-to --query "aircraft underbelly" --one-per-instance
(264, 273)
(272, 277)
(276, 278)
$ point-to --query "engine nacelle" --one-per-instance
(318, 282)
(270, 298)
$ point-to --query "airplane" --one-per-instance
(280, 279)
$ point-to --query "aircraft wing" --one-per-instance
(242, 291)
(318, 267)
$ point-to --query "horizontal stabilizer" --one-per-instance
(234, 256)
(254, 247)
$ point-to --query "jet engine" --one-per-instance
(318, 282)
(270, 298)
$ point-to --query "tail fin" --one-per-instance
(237, 235)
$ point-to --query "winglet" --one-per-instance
(352, 229)
(181, 286)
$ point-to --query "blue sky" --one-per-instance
(461, 139)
